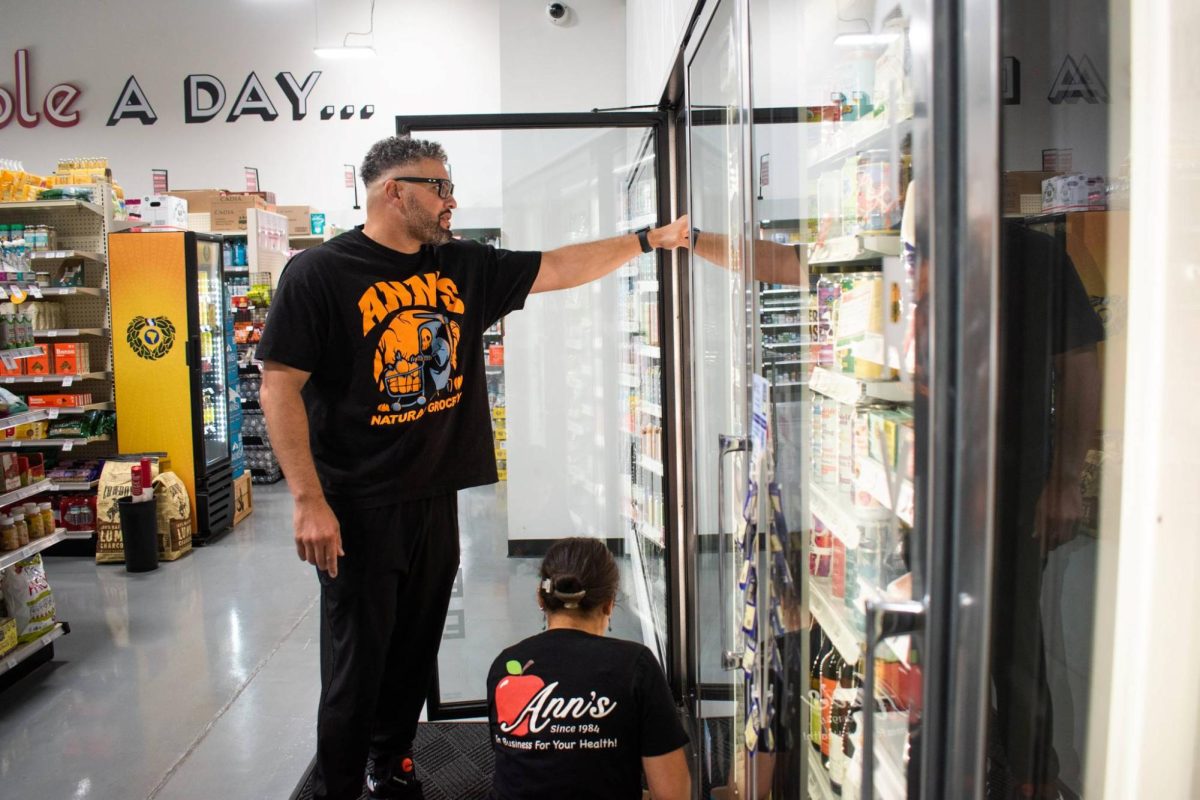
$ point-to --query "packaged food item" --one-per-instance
(12, 471)
(11, 404)
(29, 599)
(73, 428)
(9, 540)
(33, 521)
(115, 483)
(59, 400)
(39, 364)
(18, 518)
(174, 511)
(8, 635)
(47, 514)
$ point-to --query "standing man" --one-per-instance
(375, 397)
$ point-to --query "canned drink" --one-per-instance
(814, 437)
(865, 504)
(878, 197)
(845, 413)
(828, 292)
(829, 445)
(820, 557)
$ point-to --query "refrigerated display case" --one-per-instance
(168, 304)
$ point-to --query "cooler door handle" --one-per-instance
(726, 444)
(885, 619)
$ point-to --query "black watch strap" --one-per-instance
(644, 239)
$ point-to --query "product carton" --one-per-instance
(39, 364)
(164, 211)
(1074, 193)
(12, 471)
(59, 400)
(199, 201)
(1023, 184)
(229, 212)
(17, 368)
(299, 219)
(243, 497)
(67, 359)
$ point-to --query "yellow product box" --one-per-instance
(501, 434)
(8, 635)
(501, 453)
(243, 494)
(30, 430)
(502, 474)
(499, 412)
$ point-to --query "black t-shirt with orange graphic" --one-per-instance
(573, 714)
(397, 402)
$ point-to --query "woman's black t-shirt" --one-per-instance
(572, 715)
(397, 402)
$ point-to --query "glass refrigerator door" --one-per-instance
(212, 351)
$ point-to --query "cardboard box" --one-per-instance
(1074, 193)
(11, 470)
(39, 364)
(229, 212)
(59, 400)
(8, 635)
(67, 360)
(243, 494)
(299, 219)
(199, 201)
(164, 211)
(17, 368)
(1022, 183)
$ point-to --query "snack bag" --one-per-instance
(28, 598)
(174, 509)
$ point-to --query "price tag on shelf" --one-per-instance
(52, 413)
(68, 445)
(11, 663)
(3, 293)
(68, 381)
(35, 291)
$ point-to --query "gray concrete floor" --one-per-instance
(200, 680)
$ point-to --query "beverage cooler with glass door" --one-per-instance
(169, 362)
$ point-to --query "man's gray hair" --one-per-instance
(397, 151)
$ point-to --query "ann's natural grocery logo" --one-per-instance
(151, 338)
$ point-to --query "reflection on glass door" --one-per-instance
(720, 385)
(213, 393)
(574, 380)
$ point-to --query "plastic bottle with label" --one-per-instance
(18, 519)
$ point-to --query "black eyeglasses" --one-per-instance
(445, 187)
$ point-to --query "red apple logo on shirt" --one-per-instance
(513, 693)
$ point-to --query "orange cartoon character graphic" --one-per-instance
(416, 358)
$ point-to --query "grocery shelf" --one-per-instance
(25, 417)
(782, 345)
(69, 333)
(836, 517)
(855, 248)
(53, 205)
(651, 465)
(819, 786)
(72, 486)
(237, 270)
(16, 495)
(848, 389)
(873, 477)
(109, 406)
(834, 618)
(11, 356)
(650, 350)
(649, 409)
(66, 291)
(65, 444)
(765, 309)
(23, 652)
(789, 325)
(66, 255)
(768, 292)
(852, 137)
(647, 287)
(65, 380)
(78, 535)
(7, 559)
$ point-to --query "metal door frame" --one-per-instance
(658, 124)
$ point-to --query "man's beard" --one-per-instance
(424, 228)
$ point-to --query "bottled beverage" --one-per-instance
(843, 701)
(831, 668)
(814, 689)
(18, 519)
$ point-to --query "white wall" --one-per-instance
(434, 57)
(653, 29)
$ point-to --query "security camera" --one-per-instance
(557, 13)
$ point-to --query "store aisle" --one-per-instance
(199, 676)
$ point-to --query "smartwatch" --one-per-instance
(643, 235)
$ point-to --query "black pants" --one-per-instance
(381, 624)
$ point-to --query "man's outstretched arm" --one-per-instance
(577, 264)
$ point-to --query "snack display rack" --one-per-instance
(82, 230)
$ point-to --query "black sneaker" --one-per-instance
(397, 781)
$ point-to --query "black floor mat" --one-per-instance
(454, 762)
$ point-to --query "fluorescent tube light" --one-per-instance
(347, 51)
